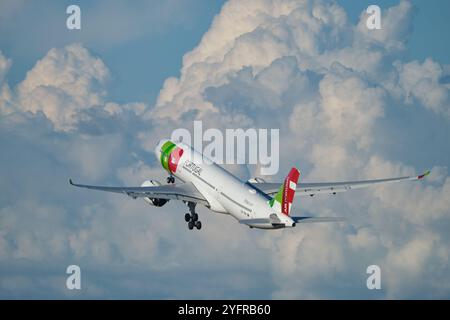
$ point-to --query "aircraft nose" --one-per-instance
(162, 146)
(158, 148)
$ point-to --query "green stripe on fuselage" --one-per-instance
(166, 149)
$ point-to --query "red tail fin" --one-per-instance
(285, 196)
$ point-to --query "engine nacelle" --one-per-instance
(156, 202)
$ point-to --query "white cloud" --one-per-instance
(423, 83)
(32, 239)
(297, 65)
(407, 267)
(419, 204)
(396, 24)
(62, 84)
(88, 161)
(350, 107)
(304, 63)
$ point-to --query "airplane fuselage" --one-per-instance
(224, 192)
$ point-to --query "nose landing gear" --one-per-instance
(170, 179)
(192, 218)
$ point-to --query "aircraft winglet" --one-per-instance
(70, 181)
(424, 174)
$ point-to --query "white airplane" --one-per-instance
(255, 203)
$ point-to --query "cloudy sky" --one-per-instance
(350, 103)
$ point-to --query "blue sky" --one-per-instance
(350, 104)
(141, 59)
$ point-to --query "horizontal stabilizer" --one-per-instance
(255, 221)
(317, 219)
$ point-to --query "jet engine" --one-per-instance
(156, 202)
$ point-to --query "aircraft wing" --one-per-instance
(182, 191)
(310, 189)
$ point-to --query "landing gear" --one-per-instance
(170, 179)
(192, 218)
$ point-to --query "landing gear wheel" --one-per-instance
(170, 180)
(191, 217)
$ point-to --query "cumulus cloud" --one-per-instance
(344, 99)
(68, 85)
(334, 83)
(62, 84)
(41, 232)
(395, 29)
(422, 82)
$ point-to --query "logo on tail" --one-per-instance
(285, 195)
